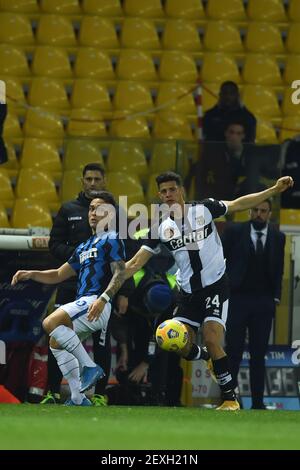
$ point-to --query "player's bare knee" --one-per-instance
(53, 344)
(47, 325)
(211, 340)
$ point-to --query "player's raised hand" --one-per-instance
(284, 183)
(95, 309)
(21, 276)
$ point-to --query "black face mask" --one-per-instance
(258, 224)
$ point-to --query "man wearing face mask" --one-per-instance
(254, 253)
(222, 164)
(228, 108)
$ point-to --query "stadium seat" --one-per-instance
(12, 165)
(71, 185)
(122, 184)
(172, 96)
(3, 217)
(171, 126)
(61, 7)
(41, 155)
(189, 9)
(86, 122)
(92, 63)
(90, 94)
(12, 128)
(292, 42)
(30, 213)
(223, 37)
(271, 11)
(135, 65)
(265, 38)
(131, 128)
(48, 93)
(51, 62)
(42, 123)
(56, 30)
(79, 153)
(132, 96)
(181, 35)
(19, 6)
(15, 29)
(35, 184)
(262, 70)
(289, 217)
(98, 32)
(219, 67)
(261, 100)
(13, 61)
(294, 10)
(139, 33)
(6, 191)
(144, 8)
(128, 158)
(163, 157)
(177, 67)
(104, 8)
(242, 216)
(229, 10)
(265, 132)
(290, 126)
(288, 107)
(292, 69)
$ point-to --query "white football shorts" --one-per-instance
(77, 311)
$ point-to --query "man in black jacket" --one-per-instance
(228, 109)
(254, 253)
(71, 228)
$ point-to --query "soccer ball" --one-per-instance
(171, 335)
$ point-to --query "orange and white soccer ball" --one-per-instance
(171, 335)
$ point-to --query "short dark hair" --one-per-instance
(106, 196)
(168, 176)
(229, 84)
(235, 122)
(93, 167)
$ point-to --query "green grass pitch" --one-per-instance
(59, 427)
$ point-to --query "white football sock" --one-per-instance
(68, 339)
(69, 367)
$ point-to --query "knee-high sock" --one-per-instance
(68, 340)
(224, 378)
(54, 373)
(69, 367)
(197, 352)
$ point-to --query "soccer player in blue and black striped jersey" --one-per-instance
(100, 265)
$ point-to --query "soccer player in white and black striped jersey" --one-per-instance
(189, 232)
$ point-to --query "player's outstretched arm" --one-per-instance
(250, 200)
(137, 262)
(50, 276)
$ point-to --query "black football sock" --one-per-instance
(196, 353)
(224, 378)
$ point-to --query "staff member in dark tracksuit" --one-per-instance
(254, 253)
